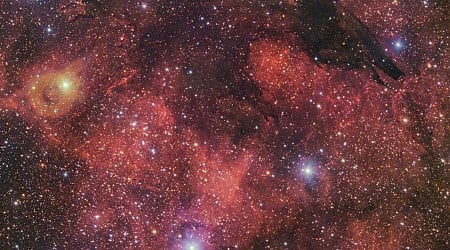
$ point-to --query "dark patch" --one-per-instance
(336, 37)
(23, 52)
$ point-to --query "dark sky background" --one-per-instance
(224, 124)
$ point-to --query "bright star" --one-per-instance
(191, 245)
(307, 170)
(399, 45)
(65, 84)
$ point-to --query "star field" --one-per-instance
(224, 124)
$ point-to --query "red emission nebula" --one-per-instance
(224, 124)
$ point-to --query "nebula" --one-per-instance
(224, 124)
(52, 94)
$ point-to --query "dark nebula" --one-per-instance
(224, 124)
(339, 38)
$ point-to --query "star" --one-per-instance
(399, 45)
(191, 245)
(307, 170)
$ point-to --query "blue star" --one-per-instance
(307, 170)
(65, 174)
(399, 45)
(191, 245)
